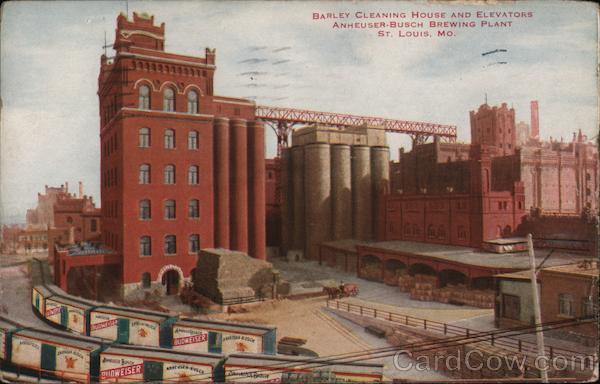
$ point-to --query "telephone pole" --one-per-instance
(537, 311)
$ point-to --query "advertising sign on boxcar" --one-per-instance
(190, 339)
(235, 342)
(251, 375)
(356, 378)
(37, 300)
(121, 368)
(53, 311)
(103, 325)
(186, 372)
(73, 363)
(76, 321)
(26, 352)
(142, 332)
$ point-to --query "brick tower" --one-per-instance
(181, 168)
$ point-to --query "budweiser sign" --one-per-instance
(122, 371)
(190, 339)
(52, 311)
(103, 324)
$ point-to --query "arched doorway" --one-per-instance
(171, 279)
(452, 277)
(392, 270)
(371, 268)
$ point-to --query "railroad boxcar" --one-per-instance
(129, 363)
(131, 326)
(7, 328)
(252, 368)
(69, 312)
(223, 337)
(56, 354)
(39, 294)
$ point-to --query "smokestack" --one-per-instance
(535, 120)
(71, 235)
(66, 186)
(80, 189)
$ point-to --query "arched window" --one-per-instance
(194, 209)
(144, 93)
(193, 175)
(169, 100)
(192, 99)
(169, 209)
(145, 213)
(461, 232)
(193, 140)
(431, 231)
(146, 280)
(407, 229)
(441, 232)
(170, 174)
(170, 245)
(145, 246)
(194, 243)
(144, 135)
(69, 219)
(144, 174)
(169, 139)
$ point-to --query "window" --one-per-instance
(194, 209)
(170, 245)
(430, 231)
(511, 306)
(587, 307)
(144, 93)
(69, 219)
(169, 139)
(194, 243)
(170, 174)
(193, 140)
(145, 213)
(146, 280)
(193, 175)
(144, 174)
(441, 232)
(170, 209)
(144, 135)
(565, 304)
(461, 233)
(145, 246)
(169, 100)
(93, 225)
(192, 99)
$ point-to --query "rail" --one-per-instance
(513, 344)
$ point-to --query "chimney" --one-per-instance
(80, 189)
(535, 120)
(71, 235)
(66, 186)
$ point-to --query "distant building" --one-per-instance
(59, 216)
(181, 168)
(330, 182)
(465, 194)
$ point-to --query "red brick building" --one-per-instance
(465, 194)
(181, 168)
(273, 201)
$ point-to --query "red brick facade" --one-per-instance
(464, 194)
(176, 160)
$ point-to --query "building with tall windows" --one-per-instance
(181, 168)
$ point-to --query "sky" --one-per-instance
(50, 58)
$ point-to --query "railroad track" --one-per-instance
(341, 329)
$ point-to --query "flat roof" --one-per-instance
(520, 275)
(226, 326)
(45, 292)
(587, 268)
(477, 257)
(8, 324)
(132, 312)
(62, 338)
(507, 240)
(166, 354)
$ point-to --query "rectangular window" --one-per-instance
(511, 306)
(194, 243)
(587, 307)
(565, 304)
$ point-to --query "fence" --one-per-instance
(512, 344)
